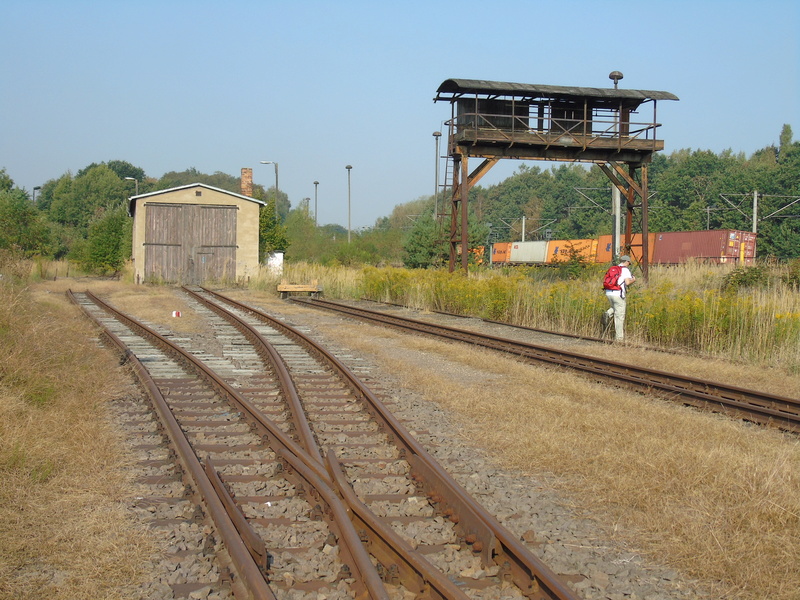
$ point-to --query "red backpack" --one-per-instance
(610, 281)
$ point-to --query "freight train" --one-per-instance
(714, 246)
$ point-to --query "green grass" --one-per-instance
(746, 314)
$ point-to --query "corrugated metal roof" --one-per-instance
(457, 87)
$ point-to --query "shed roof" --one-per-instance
(451, 89)
(134, 199)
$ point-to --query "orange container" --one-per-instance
(605, 252)
(562, 250)
(501, 252)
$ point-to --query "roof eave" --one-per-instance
(452, 89)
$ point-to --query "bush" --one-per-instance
(745, 277)
(792, 277)
(686, 306)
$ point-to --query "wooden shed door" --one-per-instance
(214, 243)
(190, 243)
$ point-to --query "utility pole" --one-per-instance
(616, 210)
(316, 184)
(755, 211)
(437, 135)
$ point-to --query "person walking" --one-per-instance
(616, 286)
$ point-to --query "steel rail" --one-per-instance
(560, 334)
(310, 470)
(247, 562)
(496, 545)
(413, 570)
(762, 407)
(418, 573)
(272, 358)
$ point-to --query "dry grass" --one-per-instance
(776, 380)
(64, 529)
(710, 496)
(715, 498)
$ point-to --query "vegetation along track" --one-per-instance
(311, 483)
(751, 405)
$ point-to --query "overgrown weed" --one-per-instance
(743, 314)
(63, 497)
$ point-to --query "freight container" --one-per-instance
(717, 246)
(528, 252)
(500, 252)
(563, 250)
(605, 254)
(747, 248)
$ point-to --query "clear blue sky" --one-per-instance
(316, 85)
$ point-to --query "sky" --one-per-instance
(316, 85)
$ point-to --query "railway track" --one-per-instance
(751, 405)
(311, 483)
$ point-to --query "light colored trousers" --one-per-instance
(618, 311)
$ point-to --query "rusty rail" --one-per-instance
(309, 469)
(495, 544)
(761, 407)
(415, 572)
(245, 559)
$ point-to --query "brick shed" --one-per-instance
(194, 234)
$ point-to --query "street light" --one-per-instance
(348, 167)
(137, 183)
(36, 187)
(437, 135)
(316, 183)
(271, 162)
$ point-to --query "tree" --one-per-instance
(786, 139)
(82, 199)
(6, 183)
(427, 243)
(122, 169)
(271, 234)
(125, 169)
(22, 226)
(425, 246)
(304, 237)
(106, 249)
(219, 180)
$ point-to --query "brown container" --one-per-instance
(714, 246)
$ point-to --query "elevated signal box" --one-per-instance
(495, 120)
(546, 122)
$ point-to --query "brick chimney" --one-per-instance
(247, 182)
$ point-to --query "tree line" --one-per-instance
(84, 218)
(689, 190)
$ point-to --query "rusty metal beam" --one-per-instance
(460, 205)
(645, 228)
(456, 199)
(464, 215)
(630, 188)
(482, 169)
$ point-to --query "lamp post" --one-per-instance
(437, 135)
(348, 167)
(35, 188)
(271, 162)
(316, 183)
(136, 181)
